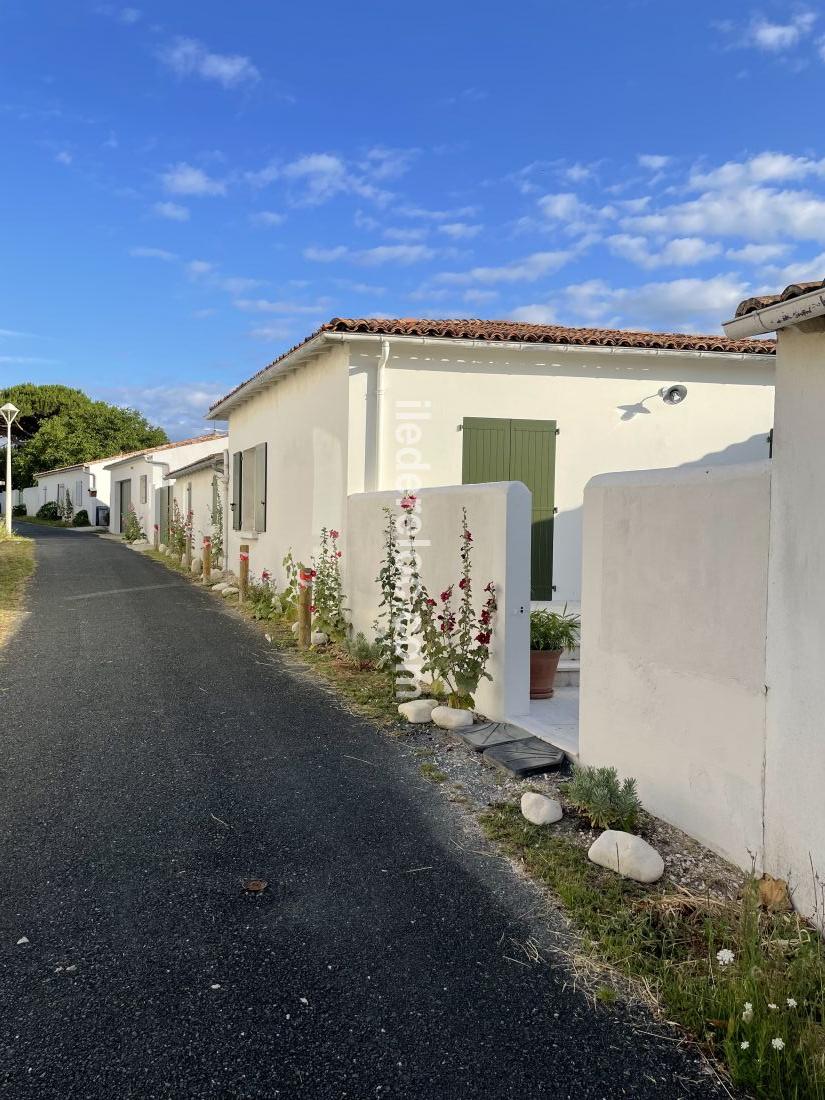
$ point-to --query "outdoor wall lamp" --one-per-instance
(673, 395)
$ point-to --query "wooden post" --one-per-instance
(304, 605)
(207, 559)
(243, 573)
(188, 550)
(156, 538)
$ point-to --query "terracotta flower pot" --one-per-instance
(543, 666)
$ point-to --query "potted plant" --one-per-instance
(551, 633)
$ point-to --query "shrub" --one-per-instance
(19, 510)
(66, 508)
(602, 799)
(81, 519)
(552, 631)
(49, 510)
(327, 593)
(455, 642)
(133, 531)
(363, 654)
(263, 599)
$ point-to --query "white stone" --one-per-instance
(318, 637)
(294, 628)
(451, 718)
(162, 548)
(418, 710)
(631, 856)
(230, 590)
(539, 809)
(219, 587)
(196, 566)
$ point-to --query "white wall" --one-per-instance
(498, 517)
(200, 482)
(673, 658)
(155, 465)
(605, 403)
(303, 419)
(795, 759)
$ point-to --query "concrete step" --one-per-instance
(568, 672)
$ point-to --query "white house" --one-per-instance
(704, 594)
(88, 485)
(199, 490)
(368, 405)
(136, 479)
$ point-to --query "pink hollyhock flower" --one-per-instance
(333, 534)
(408, 502)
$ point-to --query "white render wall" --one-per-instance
(79, 482)
(303, 419)
(673, 658)
(200, 482)
(605, 402)
(498, 517)
(795, 758)
(156, 466)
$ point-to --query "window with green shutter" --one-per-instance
(518, 450)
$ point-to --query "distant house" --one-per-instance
(198, 490)
(87, 483)
(137, 479)
(366, 405)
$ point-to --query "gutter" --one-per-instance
(380, 375)
(307, 351)
(779, 315)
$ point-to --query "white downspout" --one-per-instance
(226, 509)
(379, 411)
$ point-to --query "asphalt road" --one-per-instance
(155, 754)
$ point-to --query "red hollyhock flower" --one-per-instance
(445, 595)
(468, 537)
(485, 616)
(338, 553)
(489, 587)
(464, 582)
(484, 637)
(313, 608)
(333, 534)
(431, 602)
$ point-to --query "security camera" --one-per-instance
(673, 395)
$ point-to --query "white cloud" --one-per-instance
(801, 271)
(318, 177)
(22, 360)
(186, 179)
(460, 231)
(326, 255)
(64, 157)
(680, 305)
(153, 254)
(197, 268)
(171, 210)
(177, 408)
(270, 332)
(403, 254)
(265, 305)
(382, 163)
(404, 233)
(525, 270)
(778, 37)
(188, 57)
(130, 15)
(681, 251)
(757, 253)
(438, 215)
(267, 218)
(755, 213)
(480, 297)
(654, 162)
(767, 167)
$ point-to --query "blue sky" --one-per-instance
(190, 188)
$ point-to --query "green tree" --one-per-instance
(61, 426)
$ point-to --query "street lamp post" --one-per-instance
(9, 412)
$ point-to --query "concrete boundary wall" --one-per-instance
(499, 519)
(673, 659)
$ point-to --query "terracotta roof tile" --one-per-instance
(522, 332)
(795, 290)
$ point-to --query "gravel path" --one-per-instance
(155, 755)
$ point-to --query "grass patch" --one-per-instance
(170, 563)
(16, 566)
(41, 522)
(762, 1012)
(429, 771)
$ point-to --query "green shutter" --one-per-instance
(237, 477)
(486, 450)
(533, 461)
(519, 450)
(163, 505)
(260, 487)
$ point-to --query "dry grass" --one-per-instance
(16, 566)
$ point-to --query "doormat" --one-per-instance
(530, 756)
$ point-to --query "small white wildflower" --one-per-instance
(773, 1007)
(791, 1003)
(747, 1012)
(744, 1045)
(777, 1043)
(725, 956)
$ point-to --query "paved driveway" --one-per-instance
(155, 754)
